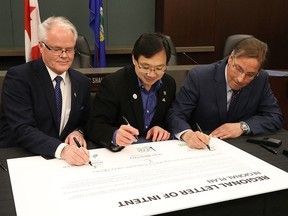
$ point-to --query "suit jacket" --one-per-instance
(119, 95)
(203, 99)
(28, 116)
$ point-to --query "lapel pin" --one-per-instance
(135, 96)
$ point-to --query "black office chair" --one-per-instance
(232, 40)
(83, 56)
(173, 59)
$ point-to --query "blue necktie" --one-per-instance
(58, 96)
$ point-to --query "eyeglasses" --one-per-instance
(239, 70)
(59, 51)
(147, 69)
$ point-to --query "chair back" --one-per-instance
(173, 59)
(83, 56)
(232, 40)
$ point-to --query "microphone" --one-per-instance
(184, 53)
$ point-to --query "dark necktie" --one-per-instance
(58, 96)
(233, 100)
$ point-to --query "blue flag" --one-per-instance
(96, 23)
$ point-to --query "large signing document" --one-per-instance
(142, 179)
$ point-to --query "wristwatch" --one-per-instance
(244, 127)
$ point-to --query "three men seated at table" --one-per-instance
(229, 98)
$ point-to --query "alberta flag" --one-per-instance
(97, 26)
(31, 23)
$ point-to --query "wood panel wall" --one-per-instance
(210, 22)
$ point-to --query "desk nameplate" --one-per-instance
(96, 79)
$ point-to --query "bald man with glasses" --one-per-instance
(228, 98)
(132, 102)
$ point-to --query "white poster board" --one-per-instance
(143, 179)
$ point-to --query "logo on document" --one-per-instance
(145, 149)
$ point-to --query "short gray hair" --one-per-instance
(53, 21)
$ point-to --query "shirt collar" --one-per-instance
(53, 75)
(155, 87)
(227, 85)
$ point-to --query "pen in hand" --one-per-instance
(127, 122)
(3, 167)
(79, 146)
(202, 132)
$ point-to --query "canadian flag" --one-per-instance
(31, 21)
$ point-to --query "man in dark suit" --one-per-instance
(133, 101)
(230, 98)
(29, 115)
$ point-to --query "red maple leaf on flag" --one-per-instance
(31, 22)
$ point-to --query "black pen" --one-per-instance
(3, 167)
(268, 149)
(127, 122)
(202, 132)
(79, 146)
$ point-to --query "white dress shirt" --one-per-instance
(66, 104)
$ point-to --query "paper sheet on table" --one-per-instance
(143, 179)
